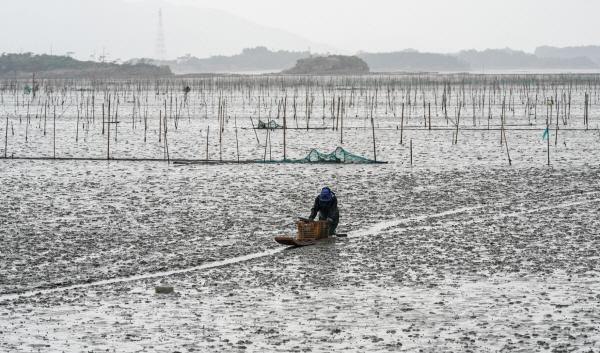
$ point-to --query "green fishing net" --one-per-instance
(340, 155)
(270, 125)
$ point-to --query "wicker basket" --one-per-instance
(312, 230)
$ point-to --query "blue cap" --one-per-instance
(326, 194)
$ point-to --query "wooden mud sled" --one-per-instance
(308, 233)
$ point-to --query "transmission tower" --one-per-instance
(161, 48)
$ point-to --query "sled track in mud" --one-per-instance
(379, 227)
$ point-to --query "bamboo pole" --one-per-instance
(166, 149)
(207, 133)
(284, 128)
(255, 133)
(342, 123)
(507, 151)
(108, 131)
(6, 137)
(373, 130)
(77, 133)
(402, 125)
(429, 108)
(556, 130)
(548, 137)
(237, 145)
(411, 153)
(54, 133)
(102, 118)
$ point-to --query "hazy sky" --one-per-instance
(429, 25)
(128, 28)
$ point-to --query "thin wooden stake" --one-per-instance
(6, 137)
(207, 133)
(411, 153)
(54, 132)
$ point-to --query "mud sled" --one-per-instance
(308, 233)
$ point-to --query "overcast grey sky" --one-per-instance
(432, 25)
(127, 28)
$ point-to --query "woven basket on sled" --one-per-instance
(312, 230)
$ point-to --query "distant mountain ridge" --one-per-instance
(53, 66)
(250, 60)
(411, 60)
(261, 59)
(508, 59)
(591, 52)
(473, 60)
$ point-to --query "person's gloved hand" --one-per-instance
(329, 220)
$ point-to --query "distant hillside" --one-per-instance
(261, 59)
(329, 65)
(507, 59)
(591, 52)
(413, 61)
(251, 59)
(24, 65)
(469, 60)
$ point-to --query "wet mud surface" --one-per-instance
(465, 259)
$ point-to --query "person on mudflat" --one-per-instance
(326, 206)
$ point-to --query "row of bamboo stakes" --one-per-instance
(372, 99)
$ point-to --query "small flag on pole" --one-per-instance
(545, 136)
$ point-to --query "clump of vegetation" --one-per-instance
(329, 65)
(23, 65)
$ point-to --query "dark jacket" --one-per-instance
(328, 209)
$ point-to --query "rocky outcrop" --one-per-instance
(329, 65)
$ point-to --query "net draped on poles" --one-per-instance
(340, 155)
(271, 125)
